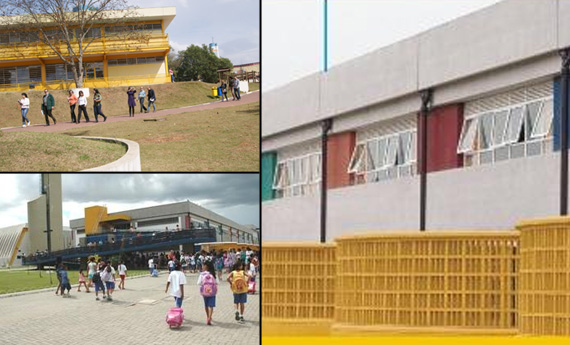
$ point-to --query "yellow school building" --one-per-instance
(111, 60)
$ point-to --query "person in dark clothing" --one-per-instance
(224, 89)
(47, 106)
(97, 105)
(151, 98)
(132, 103)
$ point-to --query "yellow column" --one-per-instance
(166, 65)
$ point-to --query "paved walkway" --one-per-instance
(61, 126)
(135, 316)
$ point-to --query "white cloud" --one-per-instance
(179, 46)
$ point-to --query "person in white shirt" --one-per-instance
(82, 102)
(176, 281)
(24, 107)
(108, 277)
(151, 265)
(122, 274)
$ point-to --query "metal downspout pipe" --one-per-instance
(326, 128)
(427, 100)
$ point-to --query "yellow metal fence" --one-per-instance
(545, 277)
(427, 280)
(481, 282)
(298, 286)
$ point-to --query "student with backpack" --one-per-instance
(208, 289)
(64, 281)
(238, 282)
(98, 282)
(176, 281)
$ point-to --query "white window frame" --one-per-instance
(475, 150)
(362, 164)
(533, 134)
(474, 126)
(294, 176)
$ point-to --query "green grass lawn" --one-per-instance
(224, 139)
(168, 96)
(30, 151)
(18, 280)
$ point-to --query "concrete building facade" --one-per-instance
(493, 130)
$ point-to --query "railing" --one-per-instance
(99, 46)
(126, 241)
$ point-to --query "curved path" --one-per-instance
(61, 126)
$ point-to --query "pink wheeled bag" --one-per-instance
(175, 317)
(251, 287)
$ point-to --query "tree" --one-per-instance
(199, 63)
(173, 59)
(68, 27)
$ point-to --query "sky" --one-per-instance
(234, 25)
(292, 30)
(234, 196)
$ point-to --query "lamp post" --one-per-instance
(565, 72)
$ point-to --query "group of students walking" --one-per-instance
(141, 96)
(82, 103)
(208, 282)
(234, 88)
(79, 102)
(48, 105)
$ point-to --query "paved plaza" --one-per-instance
(135, 316)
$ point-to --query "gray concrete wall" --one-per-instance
(488, 197)
(510, 31)
(510, 43)
(291, 219)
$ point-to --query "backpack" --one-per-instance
(209, 287)
(239, 285)
(96, 277)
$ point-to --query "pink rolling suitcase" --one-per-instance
(175, 317)
(251, 287)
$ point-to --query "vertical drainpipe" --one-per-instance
(565, 55)
(427, 98)
(327, 126)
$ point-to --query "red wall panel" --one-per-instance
(340, 147)
(444, 129)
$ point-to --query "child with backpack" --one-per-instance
(98, 282)
(64, 281)
(208, 289)
(176, 280)
(238, 282)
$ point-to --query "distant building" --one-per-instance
(184, 215)
(109, 61)
(248, 67)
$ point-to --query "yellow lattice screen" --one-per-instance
(298, 284)
(545, 276)
(428, 280)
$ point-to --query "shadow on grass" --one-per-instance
(76, 134)
(249, 111)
